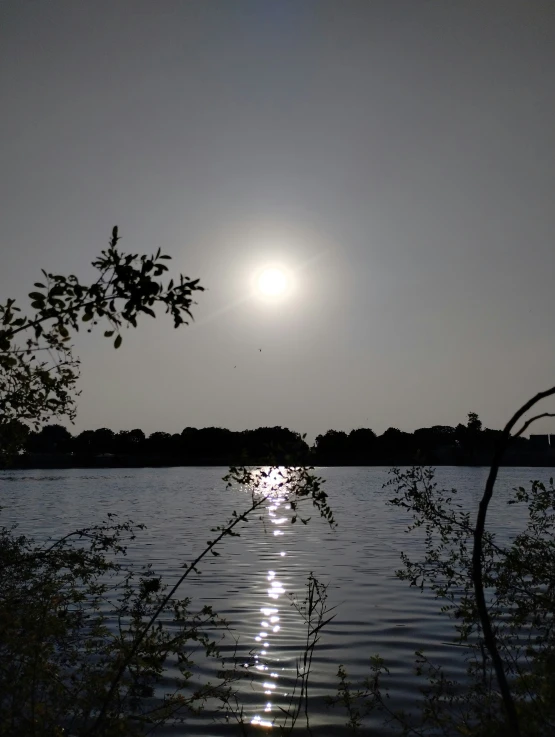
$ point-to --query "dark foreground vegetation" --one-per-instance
(86, 637)
(55, 447)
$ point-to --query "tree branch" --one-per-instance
(489, 637)
(530, 421)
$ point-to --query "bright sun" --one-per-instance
(272, 282)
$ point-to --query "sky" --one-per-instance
(396, 159)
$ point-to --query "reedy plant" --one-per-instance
(518, 577)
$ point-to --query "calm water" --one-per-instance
(251, 582)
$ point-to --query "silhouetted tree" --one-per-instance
(361, 445)
(14, 438)
(428, 441)
(206, 445)
(103, 440)
(332, 447)
(395, 446)
(84, 442)
(50, 439)
(175, 444)
(273, 445)
(159, 443)
(468, 438)
(474, 423)
(129, 442)
(489, 439)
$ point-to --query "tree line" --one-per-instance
(440, 444)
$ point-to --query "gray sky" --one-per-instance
(397, 158)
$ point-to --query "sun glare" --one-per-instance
(272, 282)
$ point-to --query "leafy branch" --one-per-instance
(32, 388)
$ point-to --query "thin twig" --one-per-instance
(133, 650)
(530, 421)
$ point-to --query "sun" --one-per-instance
(272, 282)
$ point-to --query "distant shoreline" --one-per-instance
(57, 463)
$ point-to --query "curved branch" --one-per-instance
(489, 637)
(530, 421)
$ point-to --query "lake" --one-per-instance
(250, 583)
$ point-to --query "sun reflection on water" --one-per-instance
(269, 624)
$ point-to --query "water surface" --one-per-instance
(251, 582)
